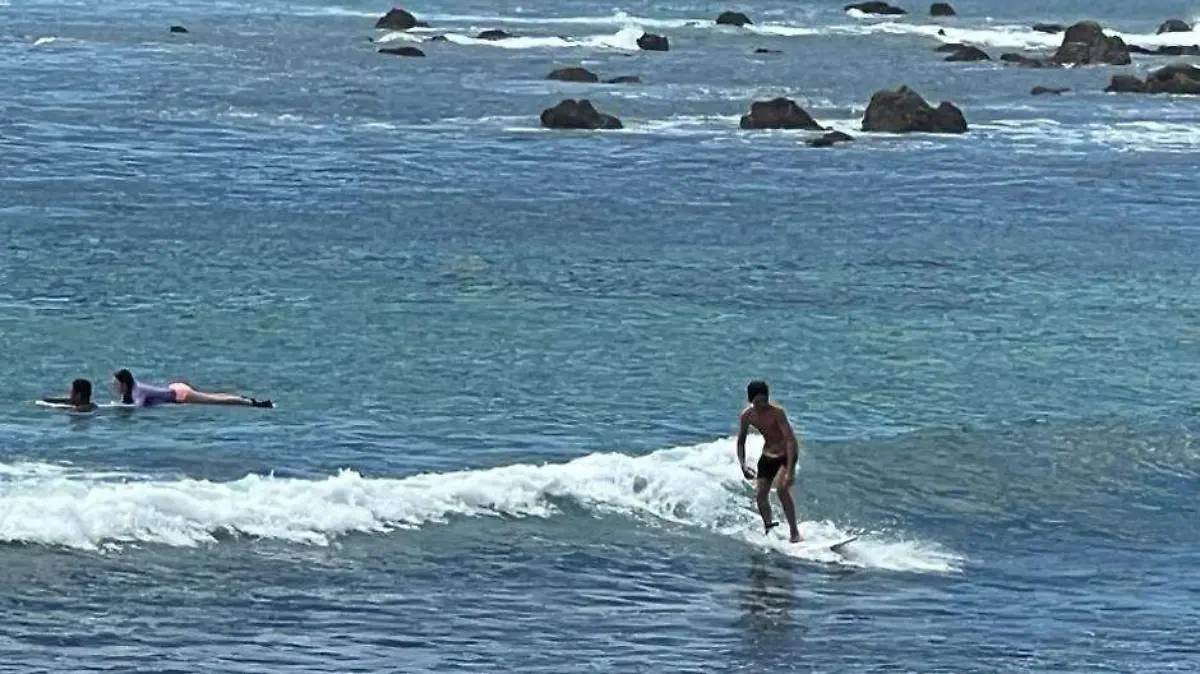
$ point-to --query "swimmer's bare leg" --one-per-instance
(789, 511)
(762, 496)
(198, 398)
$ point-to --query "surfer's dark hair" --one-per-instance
(757, 388)
(81, 391)
(126, 379)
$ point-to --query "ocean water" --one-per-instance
(508, 361)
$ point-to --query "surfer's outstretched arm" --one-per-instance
(743, 431)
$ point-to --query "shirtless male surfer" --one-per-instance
(778, 455)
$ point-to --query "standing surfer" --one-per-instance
(778, 457)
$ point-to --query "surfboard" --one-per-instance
(65, 406)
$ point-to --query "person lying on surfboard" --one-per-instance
(778, 458)
(133, 392)
(79, 397)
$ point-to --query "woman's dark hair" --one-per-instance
(126, 379)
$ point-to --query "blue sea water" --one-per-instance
(508, 361)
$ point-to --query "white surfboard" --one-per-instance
(65, 406)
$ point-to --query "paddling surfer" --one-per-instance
(778, 458)
(79, 397)
(133, 392)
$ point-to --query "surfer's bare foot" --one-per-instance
(795, 536)
(767, 529)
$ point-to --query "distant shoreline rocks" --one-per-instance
(778, 113)
(1177, 78)
(399, 19)
(578, 114)
(905, 111)
(1084, 43)
(733, 19)
(875, 8)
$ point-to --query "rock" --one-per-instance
(905, 111)
(950, 47)
(941, 9)
(1086, 44)
(624, 79)
(1020, 60)
(573, 74)
(396, 19)
(733, 19)
(1126, 84)
(1174, 26)
(438, 38)
(402, 51)
(581, 114)
(1051, 28)
(1178, 50)
(1177, 78)
(965, 53)
(830, 139)
(874, 8)
(652, 42)
(764, 50)
(178, 29)
(1053, 91)
(493, 34)
(1134, 49)
(778, 113)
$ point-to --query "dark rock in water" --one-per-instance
(573, 74)
(874, 8)
(966, 53)
(178, 29)
(396, 19)
(1178, 50)
(830, 139)
(1174, 26)
(1051, 28)
(652, 42)
(1134, 49)
(942, 9)
(1052, 91)
(438, 38)
(1086, 44)
(950, 47)
(493, 34)
(402, 51)
(624, 79)
(733, 19)
(581, 114)
(1126, 84)
(778, 113)
(1177, 78)
(763, 50)
(1021, 60)
(905, 111)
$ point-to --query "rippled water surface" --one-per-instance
(508, 361)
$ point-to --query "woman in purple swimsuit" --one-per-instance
(176, 393)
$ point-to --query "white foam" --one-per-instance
(1131, 136)
(624, 40)
(615, 19)
(698, 487)
(1006, 36)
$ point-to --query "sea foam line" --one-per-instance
(697, 487)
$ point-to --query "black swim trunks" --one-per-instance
(768, 466)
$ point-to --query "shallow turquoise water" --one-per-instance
(508, 362)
